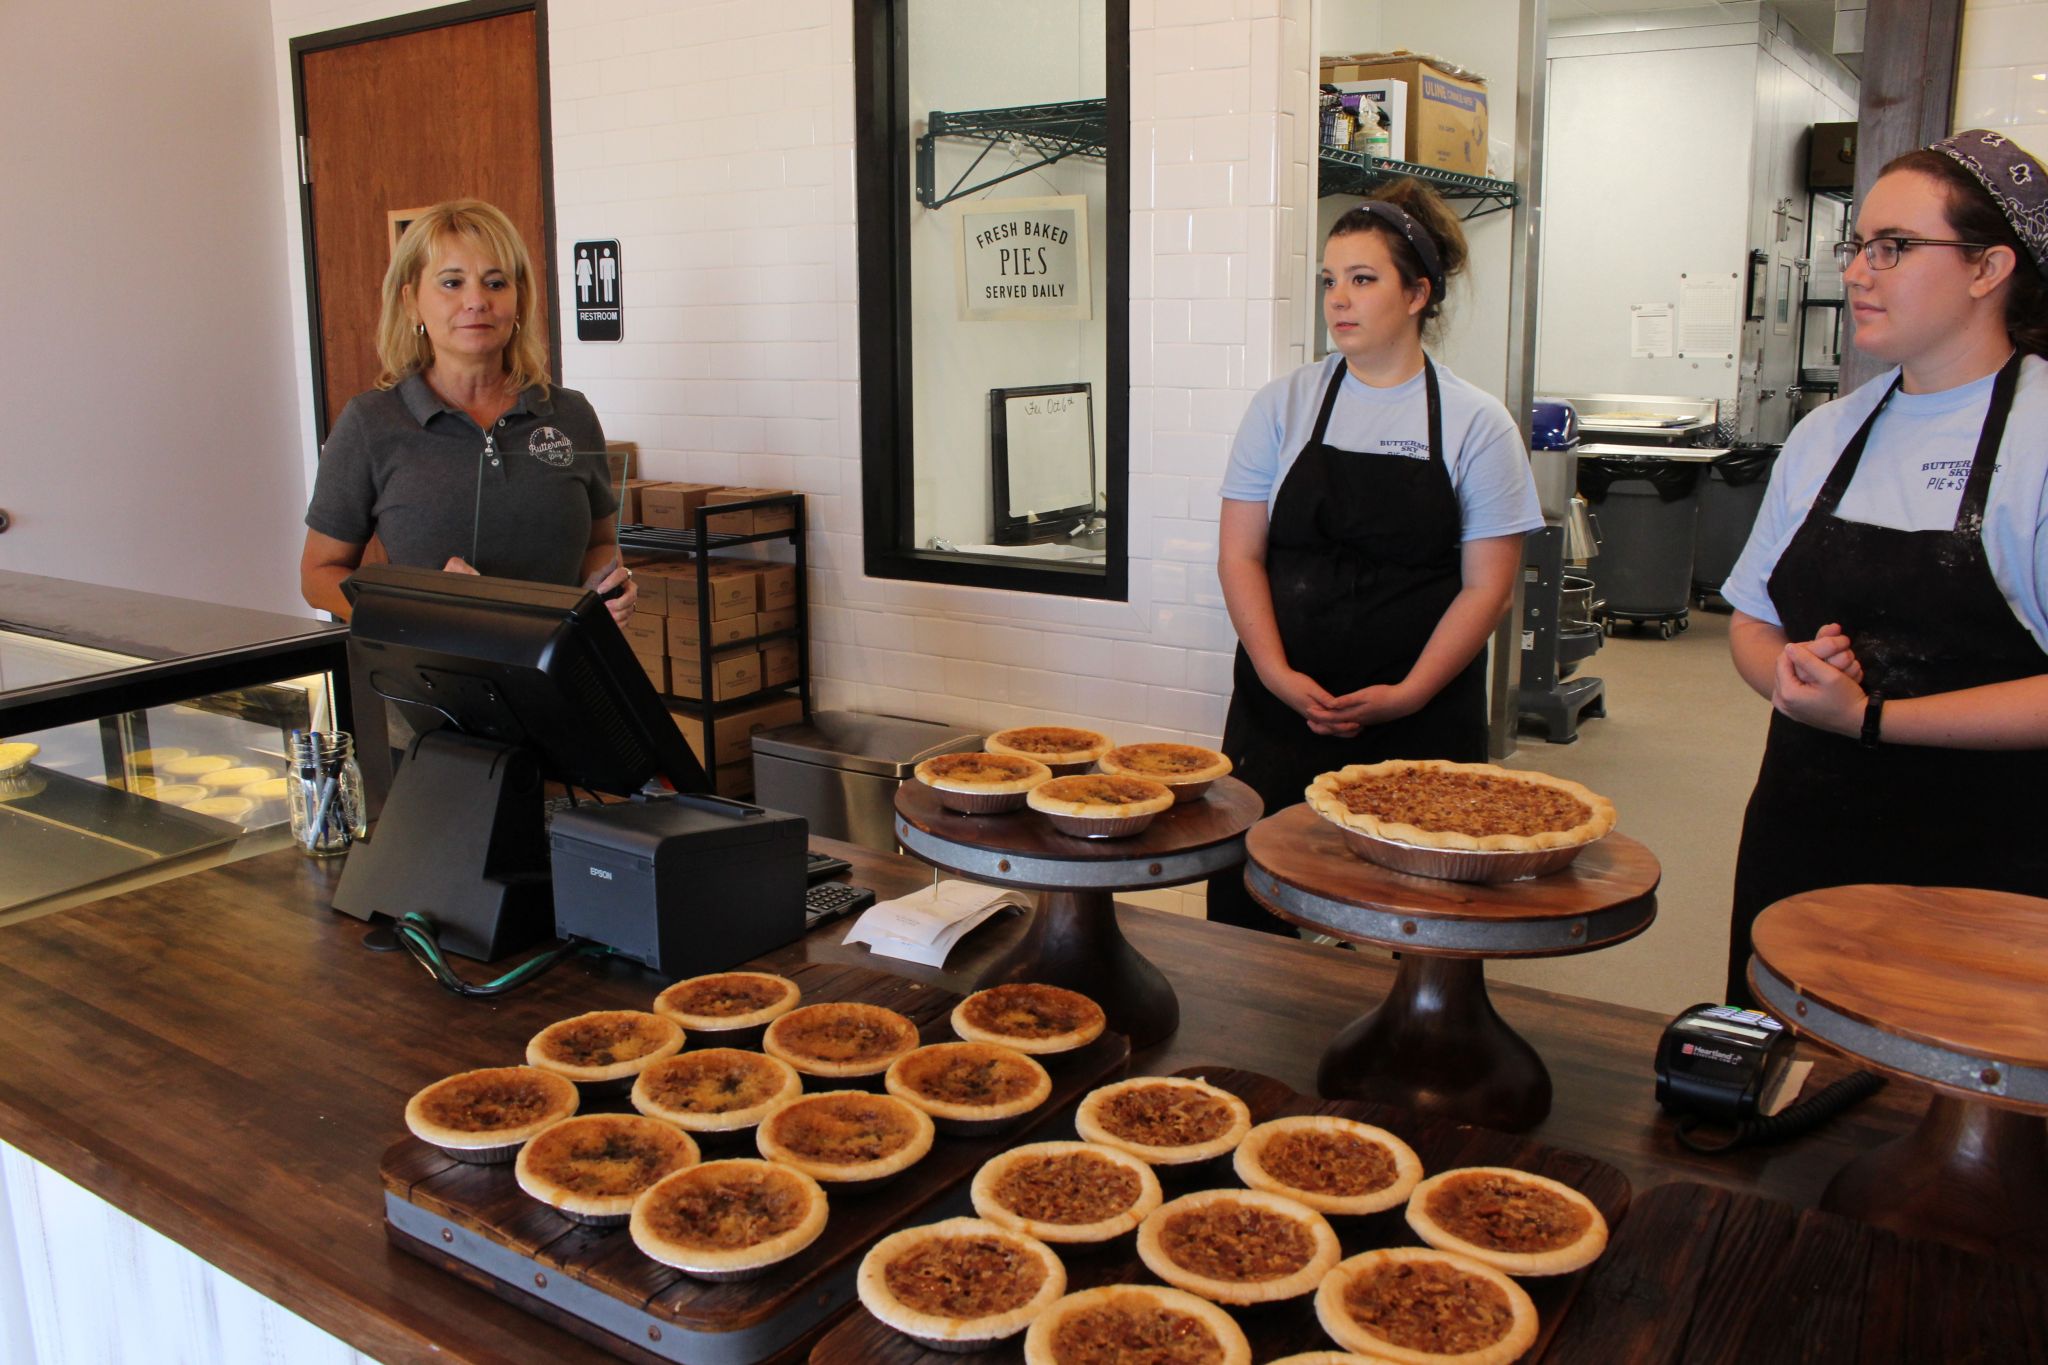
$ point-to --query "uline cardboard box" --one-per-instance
(1447, 119)
(734, 673)
(734, 731)
(669, 505)
(682, 632)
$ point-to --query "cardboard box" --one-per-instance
(744, 571)
(669, 505)
(778, 585)
(625, 459)
(656, 668)
(735, 780)
(768, 622)
(755, 522)
(629, 499)
(682, 632)
(653, 587)
(1447, 117)
(734, 731)
(1391, 95)
(778, 663)
(734, 673)
(644, 631)
(732, 590)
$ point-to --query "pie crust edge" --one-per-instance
(1321, 795)
(1250, 1169)
(1091, 1130)
(1345, 1331)
(1557, 1261)
(1239, 1293)
(982, 1192)
(872, 1286)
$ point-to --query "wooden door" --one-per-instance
(401, 122)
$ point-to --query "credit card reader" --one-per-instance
(1719, 1062)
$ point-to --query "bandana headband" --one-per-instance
(1412, 232)
(2015, 181)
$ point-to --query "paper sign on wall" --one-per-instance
(1707, 308)
(1024, 258)
(1649, 331)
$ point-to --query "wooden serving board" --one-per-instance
(595, 1281)
(1703, 1275)
(1285, 1329)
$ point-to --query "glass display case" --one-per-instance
(141, 734)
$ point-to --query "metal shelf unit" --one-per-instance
(1048, 133)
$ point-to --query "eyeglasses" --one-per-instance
(1883, 252)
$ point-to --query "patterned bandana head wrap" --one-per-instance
(1417, 236)
(2015, 181)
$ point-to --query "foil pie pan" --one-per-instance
(979, 803)
(1459, 864)
(1091, 827)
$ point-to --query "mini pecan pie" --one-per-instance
(1066, 1192)
(1061, 748)
(1333, 1165)
(1164, 1120)
(842, 1038)
(591, 1168)
(981, 784)
(960, 1285)
(846, 1136)
(717, 1090)
(604, 1050)
(484, 1117)
(729, 1220)
(1511, 1220)
(1099, 805)
(727, 1003)
(969, 1088)
(1428, 803)
(1029, 1017)
(1121, 1323)
(1238, 1246)
(1186, 769)
(1426, 1307)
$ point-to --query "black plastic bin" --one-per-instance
(1730, 497)
(1648, 512)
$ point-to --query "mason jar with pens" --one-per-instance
(325, 791)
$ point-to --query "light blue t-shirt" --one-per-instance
(1911, 478)
(1483, 449)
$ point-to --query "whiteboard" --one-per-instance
(1042, 450)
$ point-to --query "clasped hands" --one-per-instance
(1343, 717)
(1819, 682)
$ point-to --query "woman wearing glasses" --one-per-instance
(1892, 601)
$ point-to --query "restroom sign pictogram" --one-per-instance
(600, 307)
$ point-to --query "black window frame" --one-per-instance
(883, 199)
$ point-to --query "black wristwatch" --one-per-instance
(1873, 718)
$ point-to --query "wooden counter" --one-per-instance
(219, 1057)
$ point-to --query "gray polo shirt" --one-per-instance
(516, 501)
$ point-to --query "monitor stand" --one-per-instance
(462, 840)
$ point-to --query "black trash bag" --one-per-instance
(1745, 465)
(1674, 480)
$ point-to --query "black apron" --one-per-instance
(1924, 616)
(1363, 559)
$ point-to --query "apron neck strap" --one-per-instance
(1977, 492)
(1430, 392)
(1315, 438)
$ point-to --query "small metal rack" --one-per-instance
(1048, 133)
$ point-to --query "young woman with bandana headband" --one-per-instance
(1372, 522)
(1892, 602)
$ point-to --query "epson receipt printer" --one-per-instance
(686, 885)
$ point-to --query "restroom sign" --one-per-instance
(1024, 258)
(600, 309)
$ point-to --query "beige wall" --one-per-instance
(2002, 77)
(153, 432)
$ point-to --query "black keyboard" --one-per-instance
(830, 900)
(823, 865)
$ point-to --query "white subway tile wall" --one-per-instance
(716, 140)
(2002, 80)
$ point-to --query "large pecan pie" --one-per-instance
(969, 1088)
(1422, 1306)
(1099, 805)
(1030, 1017)
(592, 1167)
(962, 1284)
(604, 1050)
(1238, 1246)
(729, 1220)
(981, 784)
(1186, 769)
(1512, 1220)
(1333, 1165)
(1121, 1323)
(846, 1137)
(727, 1004)
(1066, 1192)
(484, 1117)
(1429, 803)
(1062, 748)
(717, 1090)
(841, 1038)
(1164, 1120)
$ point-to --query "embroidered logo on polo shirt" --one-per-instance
(550, 446)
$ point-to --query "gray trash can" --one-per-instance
(841, 769)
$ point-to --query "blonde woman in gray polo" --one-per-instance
(464, 457)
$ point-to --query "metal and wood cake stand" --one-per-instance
(1946, 988)
(1073, 939)
(1435, 1044)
